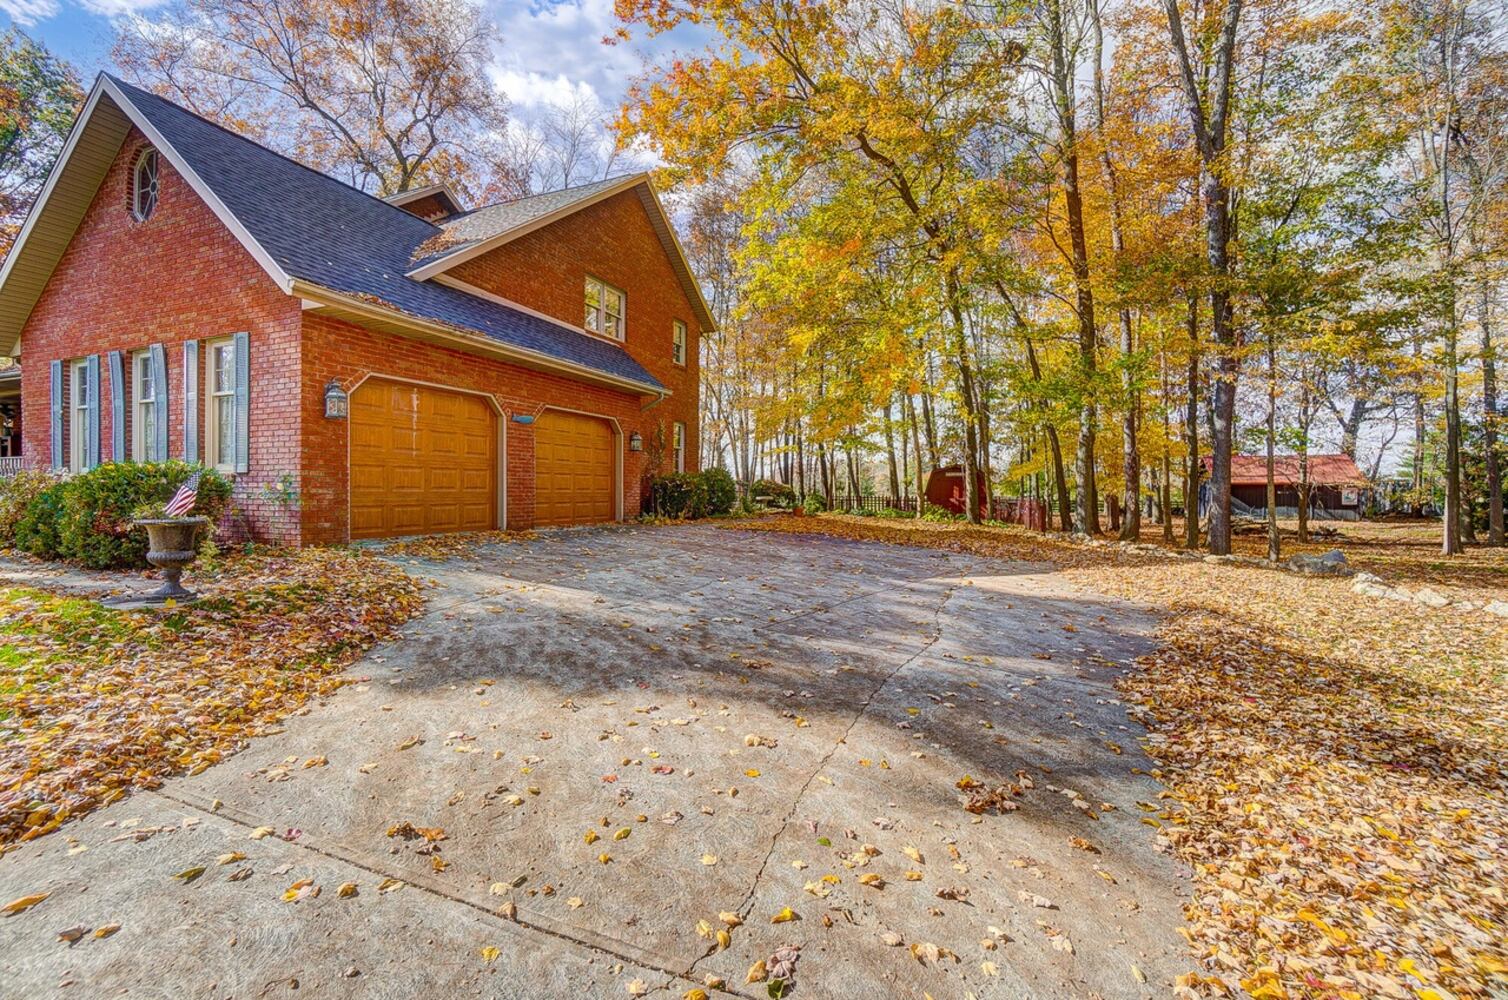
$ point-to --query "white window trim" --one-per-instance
(78, 416)
(136, 172)
(602, 289)
(678, 441)
(141, 447)
(679, 342)
(211, 433)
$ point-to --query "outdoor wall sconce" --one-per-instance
(635, 442)
(337, 403)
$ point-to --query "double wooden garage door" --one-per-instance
(425, 460)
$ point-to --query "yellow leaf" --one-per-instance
(786, 915)
(590, 837)
(752, 772)
(723, 939)
(622, 834)
(730, 918)
(106, 930)
(490, 954)
(346, 890)
(189, 874)
(27, 902)
(695, 993)
(871, 879)
(757, 973)
(709, 859)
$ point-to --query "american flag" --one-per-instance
(183, 501)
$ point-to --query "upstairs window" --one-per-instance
(678, 342)
(605, 308)
(144, 186)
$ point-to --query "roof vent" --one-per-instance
(434, 203)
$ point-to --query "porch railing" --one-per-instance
(10, 465)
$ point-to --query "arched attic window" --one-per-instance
(144, 185)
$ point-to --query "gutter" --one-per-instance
(474, 342)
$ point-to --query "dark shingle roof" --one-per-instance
(330, 234)
(488, 221)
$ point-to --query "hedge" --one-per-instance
(692, 495)
(88, 518)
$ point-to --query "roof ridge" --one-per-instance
(613, 179)
(266, 149)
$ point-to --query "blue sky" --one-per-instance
(551, 48)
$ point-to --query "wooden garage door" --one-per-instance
(573, 469)
(423, 461)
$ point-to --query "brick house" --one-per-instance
(180, 291)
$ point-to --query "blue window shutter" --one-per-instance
(117, 409)
(243, 401)
(57, 414)
(191, 400)
(160, 386)
(91, 439)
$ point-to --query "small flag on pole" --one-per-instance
(183, 501)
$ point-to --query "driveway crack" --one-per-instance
(747, 904)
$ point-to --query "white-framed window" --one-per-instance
(678, 442)
(220, 406)
(144, 390)
(678, 342)
(78, 415)
(606, 308)
(144, 185)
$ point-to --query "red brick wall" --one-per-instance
(179, 275)
(333, 349)
(613, 241)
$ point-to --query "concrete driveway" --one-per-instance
(623, 732)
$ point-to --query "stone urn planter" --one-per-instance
(172, 543)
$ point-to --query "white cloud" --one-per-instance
(115, 8)
(28, 12)
(552, 52)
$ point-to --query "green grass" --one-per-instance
(38, 629)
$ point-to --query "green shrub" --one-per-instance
(773, 494)
(814, 504)
(99, 506)
(720, 491)
(680, 494)
(893, 512)
(16, 494)
(37, 527)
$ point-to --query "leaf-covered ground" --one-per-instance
(1334, 764)
(94, 701)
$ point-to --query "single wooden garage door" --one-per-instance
(573, 469)
(423, 461)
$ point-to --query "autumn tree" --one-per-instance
(39, 97)
(875, 104)
(388, 94)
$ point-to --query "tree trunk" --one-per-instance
(1274, 547)
(1303, 484)
(895, 479)
(1130, 530)
(916, 441)
(1450, 541)
(1490, 420)
(929, 426)
(1210, 123)
(1191, 435)
(966, 401)
(1063, 76)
